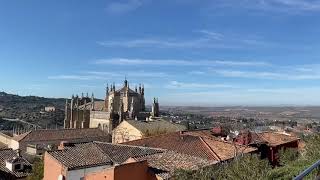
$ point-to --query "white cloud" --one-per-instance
(197, 72)
(76, 77)
(104, 75)
(242, 63)
(207, 39)
(165, 43)
(295, 4)
(243, 97)
(285, 90)
(294, 75)
(183, 85)
(123, 7)
(212, 34)
(272, 5)
(129, 74)
(177, 62)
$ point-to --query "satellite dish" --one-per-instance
(61, 177)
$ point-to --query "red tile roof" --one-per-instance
(276, 139)
(9, 155)
(269, 138)
(197, 145)
(93, 154)
(164, 164)
(61, 134)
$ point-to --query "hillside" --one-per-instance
(30, 109)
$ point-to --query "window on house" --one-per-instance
(17, 166)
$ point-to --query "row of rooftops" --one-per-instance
(189, 150)
(182, 149)
(204, 145)
(161, 161)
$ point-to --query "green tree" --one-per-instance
(37, 170)
(249, 167)
(245, 167)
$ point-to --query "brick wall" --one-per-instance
(52, 169)
(134, 171)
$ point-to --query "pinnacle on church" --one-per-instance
(107, 90)
(126, 82)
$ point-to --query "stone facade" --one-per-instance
(119, 105)
(77, 112)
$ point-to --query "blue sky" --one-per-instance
(186, 52)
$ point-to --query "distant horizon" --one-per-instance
(149, 103)
(208, 53)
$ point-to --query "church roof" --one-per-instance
(98, 106)
(156, 126)
(124, 89)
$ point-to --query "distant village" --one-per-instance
(119, 138)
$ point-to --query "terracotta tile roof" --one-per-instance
(202, 133)
(276, 139)
(61, 134)
(164, 164)
(119, 153)
(161, 161)
(99, 153)
(82, 156)
(226, 150)
(11, 155)
(205, 147)
(21, 136)
(156, 125)
(3, 146)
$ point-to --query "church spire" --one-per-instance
(92, 102)
(126, 82)
(107, 90)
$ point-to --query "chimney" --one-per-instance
(62, 145)
(18, 153)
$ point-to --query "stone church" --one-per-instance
(119, 105)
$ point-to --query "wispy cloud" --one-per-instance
(184, 85)
(105, 75)
(298, 90)
(242, 63)
(129, 74)
(120, 7)
(269, 75)
(164, 43)
(205, 39)
(292, 4)
(212, 34)
(272, 5)
(197, 72)
(76, 77)
(178, 62)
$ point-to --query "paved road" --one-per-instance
(22, 121)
